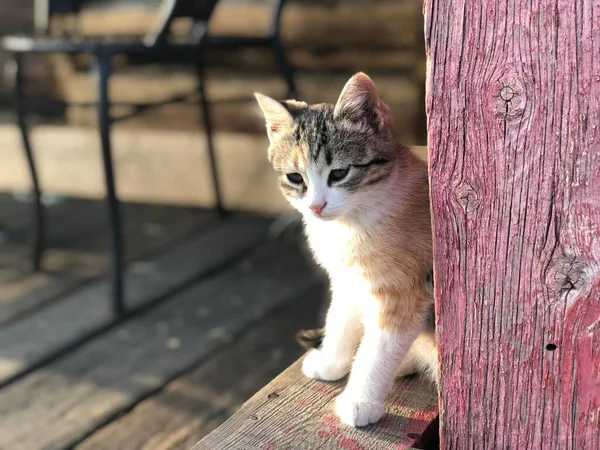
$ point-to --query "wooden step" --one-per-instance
(295, 412)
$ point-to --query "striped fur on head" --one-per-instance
(332, 155)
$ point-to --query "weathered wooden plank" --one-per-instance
(182, 413)
(296, 412)
(38, 336)
(156, 83)
(155, 166)
(146, 229)
(514, 106)
(65, 221)
(383, 23)
(111, 373)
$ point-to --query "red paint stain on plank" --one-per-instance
(350, 444)
(302, 402)
(322, 434)
(385, 422)
(324, 389)
(403, 445)
(330, 420)
(268, 446)
(334, 430)
(425, 414)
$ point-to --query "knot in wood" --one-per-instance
(467, 197)
(566, 277)
(508, 95)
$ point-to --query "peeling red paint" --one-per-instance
(322, 434)
(516, 221)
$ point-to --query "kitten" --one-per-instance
(365, 203)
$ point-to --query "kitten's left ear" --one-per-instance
(278, 118)
(359, 101)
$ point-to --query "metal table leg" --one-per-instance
(16, 69)
(103, 72)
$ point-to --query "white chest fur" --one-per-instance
(334, 244)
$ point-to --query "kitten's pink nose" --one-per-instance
(317, 209)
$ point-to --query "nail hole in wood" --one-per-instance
(550, 347)
(273, 395)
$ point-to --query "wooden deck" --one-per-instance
(294, 412)
(215, 306)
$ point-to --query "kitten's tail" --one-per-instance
(310, 339)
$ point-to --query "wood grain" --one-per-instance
(294, 412)
(36, 337)
(514, 105)
(188, 408)
(76, 394)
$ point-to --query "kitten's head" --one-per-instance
(334, 160)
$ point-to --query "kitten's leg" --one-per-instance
(374, 370)
(422, 357)
(408, 365)
(333, 359)
(425, 354)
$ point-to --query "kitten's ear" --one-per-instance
(359, 101)
(277, 117)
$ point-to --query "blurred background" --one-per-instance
(210, 301)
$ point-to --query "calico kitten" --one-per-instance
(365, 203)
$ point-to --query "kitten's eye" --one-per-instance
(338, 174)
(295, 178)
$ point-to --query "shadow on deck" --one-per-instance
(216, 305)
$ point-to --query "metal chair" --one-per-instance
(158, 41)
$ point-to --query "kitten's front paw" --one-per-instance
(357, 413)
(316, 366)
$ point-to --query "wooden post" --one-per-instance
(513, 101)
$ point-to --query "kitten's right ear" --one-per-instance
(359, 99)
(277, 117)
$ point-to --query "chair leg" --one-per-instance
(286, 69)
(103, 72)
(199, 66)
(38, 212)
